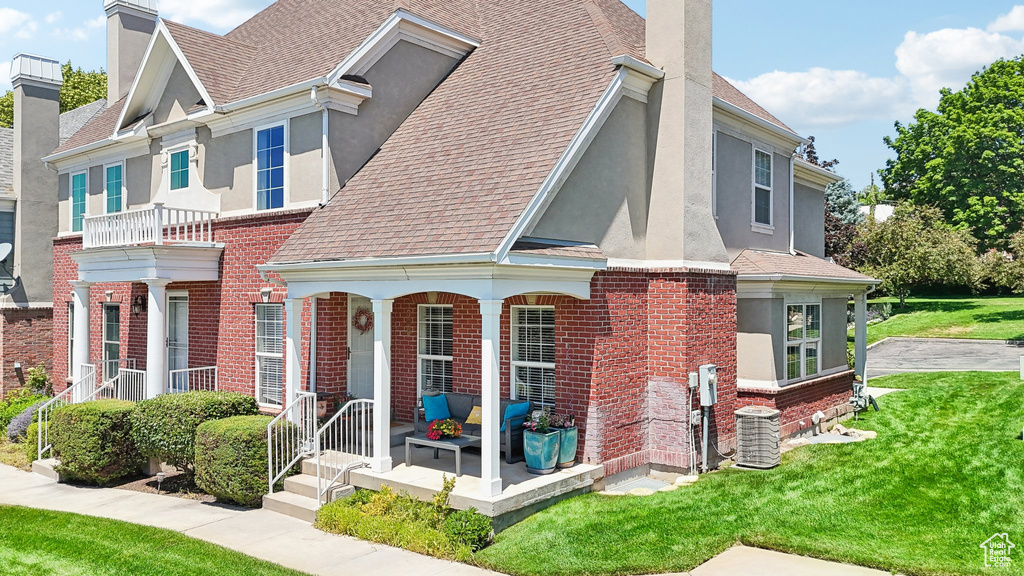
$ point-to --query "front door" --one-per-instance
(360, 346)
(177, 342)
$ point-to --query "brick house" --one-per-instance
(560, 204)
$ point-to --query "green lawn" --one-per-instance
(943, 475)
(41, 543)
(977, 318)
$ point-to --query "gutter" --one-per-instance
(472, 258)
(792, 225)
(794, 278)
(754, 119)
(324, 172)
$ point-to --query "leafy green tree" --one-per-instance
(917, 248)
(967, 157)
(841, 201)
(1004, 270)
(80, 87)
(872, 195)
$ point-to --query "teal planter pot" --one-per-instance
(567, 441)
(541, 451)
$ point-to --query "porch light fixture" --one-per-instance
(138, 305)
(265, 294)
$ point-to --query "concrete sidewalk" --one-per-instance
(295, 544)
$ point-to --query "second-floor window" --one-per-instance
(270, 151)
(762, 188)
(78, 193)
(112, 184)
(179, 170)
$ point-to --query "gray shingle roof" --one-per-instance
(73, 120)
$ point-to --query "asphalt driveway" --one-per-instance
(896, 355)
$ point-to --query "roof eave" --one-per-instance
(767, 277)
(760, 122)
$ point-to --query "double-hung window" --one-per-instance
(111, 340)
(79, 189)
(113, 179)
(179, 170)
(270, 153)
(803, 340)
(434, 348)
(269, 354)
(762, 199)
(533, 354)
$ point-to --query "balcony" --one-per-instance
(158, 226)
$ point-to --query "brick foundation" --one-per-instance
(798, 402)
(25, 339)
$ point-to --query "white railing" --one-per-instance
(111, 368)
(290, 436)
(157, 225)
(129, 384)
(343, 443)
(85, 386)
(192, 379)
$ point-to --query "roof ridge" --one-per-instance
(604, 27)
(220, 37)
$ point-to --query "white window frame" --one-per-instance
(286, 202)
(421, 357)
(104, 342)
(754, 224)
(714, 174)
(803, 302)
(124, 191)
(187, 149)
(513, 363)
(85, 203)
(257, 355)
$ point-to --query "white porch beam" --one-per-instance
(490, 390)
(381, 461)
(156, 337)
(80, 333)
(860, 335)
(292, 349)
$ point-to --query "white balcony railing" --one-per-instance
(158, 225)
(192, 379)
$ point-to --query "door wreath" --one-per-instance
(362, 320)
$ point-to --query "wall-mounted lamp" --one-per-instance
(138, 305)
(265, 294)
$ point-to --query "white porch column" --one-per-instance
(381, 461)
(292, 349)
(80, 333)
(860, 335)
(156, 337)
(490, 395)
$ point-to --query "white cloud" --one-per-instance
(53, 17)
(17, 24)
(5, 77)
(926, 62)
(1012, 21)
(84, 32)
(222, 14)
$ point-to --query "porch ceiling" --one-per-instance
(176, 263)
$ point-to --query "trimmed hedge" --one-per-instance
(231, 458)
(31, 445)
(165, 427)
(93, 441)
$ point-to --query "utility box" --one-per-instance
(708, 385)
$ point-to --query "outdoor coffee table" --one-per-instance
(454, 444)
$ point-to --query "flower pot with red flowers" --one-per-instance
(568, 438)
(540, 445)
(446, 428)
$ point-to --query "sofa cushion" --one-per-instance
(517, 410)
(460, 405)
(475, 415)
(435, 408)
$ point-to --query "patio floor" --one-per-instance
(522, 492)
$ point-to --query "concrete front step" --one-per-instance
(45, 468)
(290, 504)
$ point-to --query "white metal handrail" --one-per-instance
(129, 385)
(156, 225)
(290, 436)
(111, 367)
(85, 386)
(192, 379)
(343, 443)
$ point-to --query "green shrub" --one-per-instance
(231, 458)
(165, 427)
(470, 528)
(31, 444)
(15, 402)
(38, 381)
(93, 441)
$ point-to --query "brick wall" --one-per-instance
(26, 336)
(798, 402)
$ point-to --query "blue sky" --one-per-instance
(841, 70)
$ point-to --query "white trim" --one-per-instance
(71, 201)
(168, 294)
(257, 355)
(764, 227)
(71, 335)
(759, 122)
(420, 357)
(101, 152)
(667, 264)
(804, 301)
(811, 175)
(513, 363)
(627, 61)
(346, 98)
(714, 173)
(286, 193)
(124, 190)
(752, 384)
(103, 335)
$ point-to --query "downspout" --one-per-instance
(792, 225)
(324, 172)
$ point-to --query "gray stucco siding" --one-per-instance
(138, 179)
(179, 96)
(809, 217)
(604, 199)
(227, 170)
(305, 169)
(760, 352)
(95, 204)
(833, 333)
(64, 202)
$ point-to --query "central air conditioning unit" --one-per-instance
(757, 437)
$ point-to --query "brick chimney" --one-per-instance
(130, 24)
(681, 225)
(36, 83)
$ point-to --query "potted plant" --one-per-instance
(446, 428)
(540, 444)
(568, 438)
